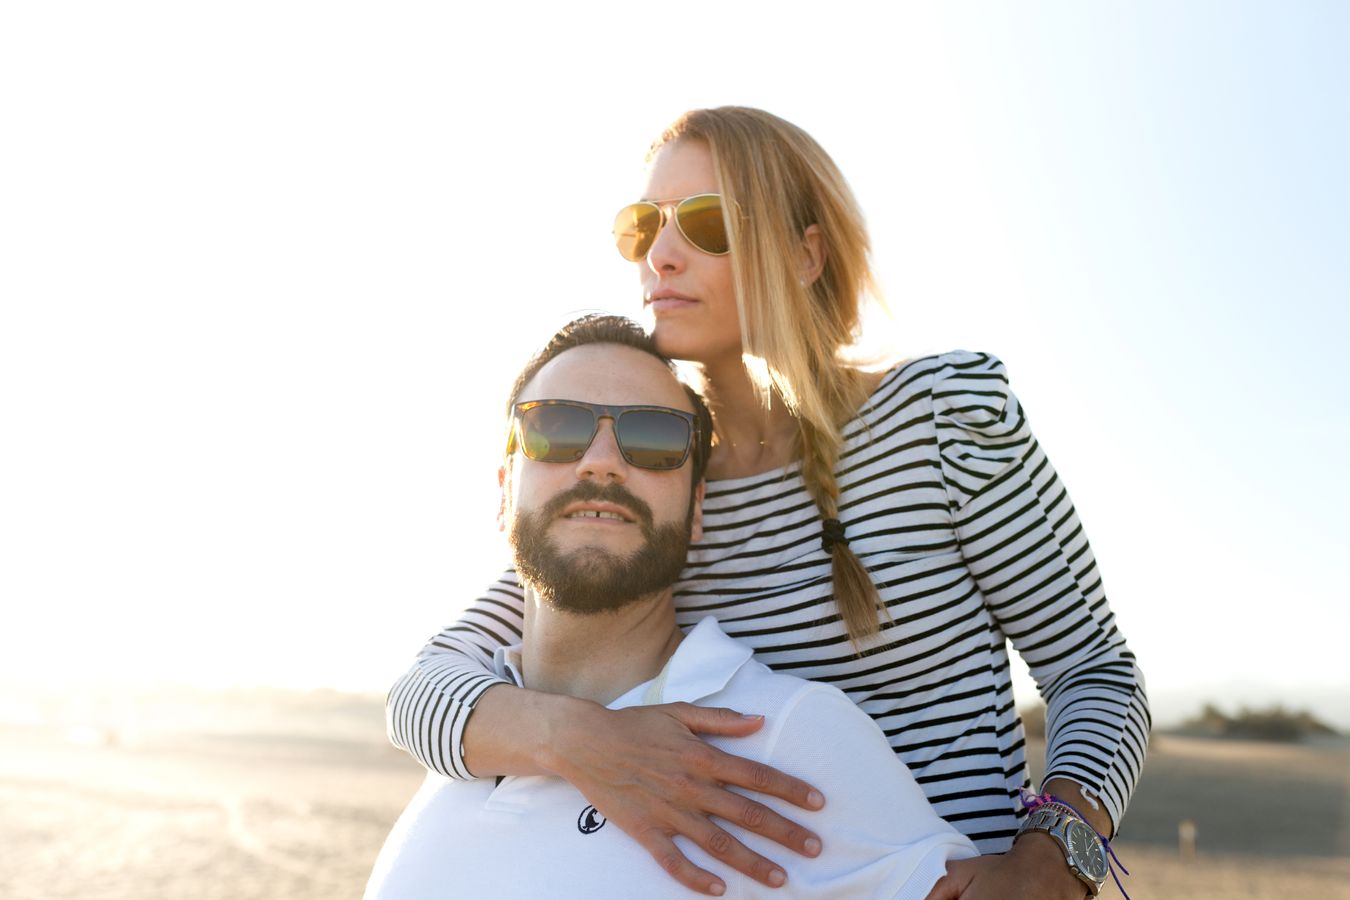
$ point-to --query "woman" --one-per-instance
(881, 533)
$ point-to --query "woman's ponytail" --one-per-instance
(855, 595)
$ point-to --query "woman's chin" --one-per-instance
(675, 342)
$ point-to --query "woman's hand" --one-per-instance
(648, 771)
(1034, 869)
(962, 874)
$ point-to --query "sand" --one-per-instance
(201, 818)
(103, 814)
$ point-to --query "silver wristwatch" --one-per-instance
(1083, 849)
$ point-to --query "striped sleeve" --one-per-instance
(428, 707)
(1030, 557)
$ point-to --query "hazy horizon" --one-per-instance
(171, 705)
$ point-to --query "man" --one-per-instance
(601, 494)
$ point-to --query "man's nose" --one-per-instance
(603, 460)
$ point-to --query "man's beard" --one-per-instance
(592, 580)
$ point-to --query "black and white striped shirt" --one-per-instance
(972, 541)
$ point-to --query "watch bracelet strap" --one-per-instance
(1051, 816)
(1040, 814)
(1033, 801)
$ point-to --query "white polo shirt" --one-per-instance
(537, 836)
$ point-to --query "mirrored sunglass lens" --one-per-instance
(653, 439)
(701, 222)
(556, 433)
(635, 229)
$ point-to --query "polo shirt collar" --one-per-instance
(701, 666)
(506, 663)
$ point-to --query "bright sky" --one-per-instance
(267, 270)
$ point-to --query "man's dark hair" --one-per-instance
(602, 329)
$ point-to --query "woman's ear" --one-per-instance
(813, 254)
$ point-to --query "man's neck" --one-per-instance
(598, 656)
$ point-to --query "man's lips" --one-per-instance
(589, 502)
(594, 511)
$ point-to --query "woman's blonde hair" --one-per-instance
(780, 182)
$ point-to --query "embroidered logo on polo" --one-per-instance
(591, 820)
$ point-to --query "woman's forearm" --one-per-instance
(428, 709)
(513, 731)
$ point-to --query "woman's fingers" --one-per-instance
(714, 719)
(652, 776)
(668, 856)
(722, 846)
(735, 770)
(718, 843)
(735, 809)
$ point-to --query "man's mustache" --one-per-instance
(610, 493)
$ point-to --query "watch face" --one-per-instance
(1086, 849)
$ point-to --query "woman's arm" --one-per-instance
(645, 768)
(1026, 549)
(427, 710)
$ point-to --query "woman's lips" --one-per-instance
(668, 301)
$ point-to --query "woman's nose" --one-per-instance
(670, 250)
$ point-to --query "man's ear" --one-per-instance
(501, 508)
(696, 513)
(813, 254)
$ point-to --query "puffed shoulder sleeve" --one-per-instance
(980, 427)
(428, 707)
(1026, 549)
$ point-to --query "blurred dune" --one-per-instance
(1272, 820)
(269, 794)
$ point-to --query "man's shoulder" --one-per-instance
(716, 669)
(786, 699)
